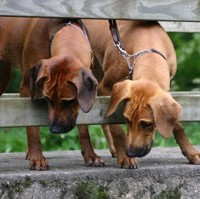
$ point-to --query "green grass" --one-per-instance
(14, 139)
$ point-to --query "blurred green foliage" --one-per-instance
(14, 139)
(14, 84)
(187, 47)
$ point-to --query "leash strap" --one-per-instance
(120, 46)
(115, 33)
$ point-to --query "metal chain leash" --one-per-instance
(120, 46)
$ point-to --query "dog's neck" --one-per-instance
(72, 35)
(153, 62)
(135, 57)
(75, 23)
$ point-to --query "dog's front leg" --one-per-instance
(108, 135)
(119, 139)
(187, 149)
(34, 153)
(90, 157)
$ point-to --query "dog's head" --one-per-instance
(147, 108)
(66, 85)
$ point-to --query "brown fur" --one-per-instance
(148, 104)
(64, 79)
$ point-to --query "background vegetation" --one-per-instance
(187, 79)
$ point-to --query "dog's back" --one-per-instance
(12, 38)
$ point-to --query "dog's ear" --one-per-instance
(166, 112)
(86, 85)
(120, 92)
(36, 77)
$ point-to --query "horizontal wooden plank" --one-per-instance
(16, 111)
(174, 26)
(176, 10)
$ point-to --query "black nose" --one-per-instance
(59, 127)
(137, 151)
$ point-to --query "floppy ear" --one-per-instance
(36, 77)
(166, 112)
(120, 91)
(86, 85)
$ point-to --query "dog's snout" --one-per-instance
(138, 151)
(60, 127)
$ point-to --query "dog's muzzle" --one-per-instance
(60, 127)
(138, 151)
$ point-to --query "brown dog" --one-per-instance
(54, 56)
(148, 104)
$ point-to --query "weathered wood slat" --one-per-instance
(111, 9)
(176, 10)
(16, 111)
(175, 26)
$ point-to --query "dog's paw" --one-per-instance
(127, 163)
(194, 158)
(93, 160)
(97, 162)
(39, 165)
(38, 162)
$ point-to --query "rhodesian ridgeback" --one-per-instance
(55, 57)
(148, 105)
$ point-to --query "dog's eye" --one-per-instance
(145, 124)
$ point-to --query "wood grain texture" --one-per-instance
(176, 10)
(174, 26)
(16, 111)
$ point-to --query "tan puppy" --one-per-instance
(148, 104)
(54, 56)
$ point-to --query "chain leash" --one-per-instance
(121, 49)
